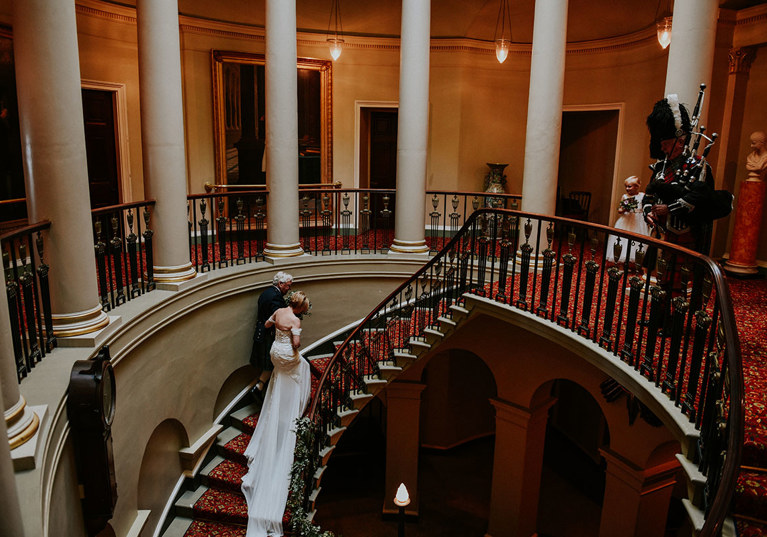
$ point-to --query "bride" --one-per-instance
(270, 452)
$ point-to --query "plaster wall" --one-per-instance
(174, 354)
(109, 53)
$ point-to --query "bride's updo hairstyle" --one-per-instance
(299, 302)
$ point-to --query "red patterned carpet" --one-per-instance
(750, 301)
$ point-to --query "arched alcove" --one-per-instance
(232, 386)
(573, 473)
(160, 468)
(455, 404)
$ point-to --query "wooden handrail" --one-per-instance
(120, 207)
(26, 230)
(209, 187)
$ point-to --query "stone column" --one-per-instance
(544, 107)
(281, 130)
(55, 165)
(519, 437)
(20, 422)
(162, 133)
(413, 128)
(691, 53)
(10, 510)
(636, 500)
(403, 410)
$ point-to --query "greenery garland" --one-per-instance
(302, 464)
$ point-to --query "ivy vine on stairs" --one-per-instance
(301, 525)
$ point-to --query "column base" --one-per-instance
(179, 273)
(78, 323)
(26, 455)
(283, 250)
(736, 269)
(408, 247)
(22, 423)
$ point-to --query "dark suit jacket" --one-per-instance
(270, 301)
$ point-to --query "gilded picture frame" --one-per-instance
(239, 118)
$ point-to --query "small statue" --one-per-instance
(756, 161)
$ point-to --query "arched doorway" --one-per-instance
(573, 474)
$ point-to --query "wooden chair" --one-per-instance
(580, 208)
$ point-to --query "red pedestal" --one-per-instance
(745, 234)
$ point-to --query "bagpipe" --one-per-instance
(689, 177)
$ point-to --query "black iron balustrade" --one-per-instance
(671, 322)
(29, 301)
(229, 227)
(226, 228)
(448, 210)
(124, 254)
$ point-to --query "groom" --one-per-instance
(270, 301)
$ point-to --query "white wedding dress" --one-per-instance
(271, 449)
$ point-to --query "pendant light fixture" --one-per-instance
(502, 36)
(663, 22)
(335, 30)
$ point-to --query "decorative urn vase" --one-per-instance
(495, 183)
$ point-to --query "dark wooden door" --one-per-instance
(383, 163)
(383, 149)
(101, 147)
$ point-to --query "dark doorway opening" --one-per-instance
(101, 147)
(587, 159)
(378, 159)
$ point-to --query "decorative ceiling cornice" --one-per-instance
(752, 15)
(113, 12)
(232, 30)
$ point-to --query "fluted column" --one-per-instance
(519, 437)
(20, 422)
(403, 408)
(282, 129)
(691, 53)
(55, 165)
(636, 499)
(162, 133)
(412, 128)
(544, 107)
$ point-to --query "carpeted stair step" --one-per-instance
(178, 527)
(750, 528)
(754, 442)
(223, 474)
(751, 495)
(231, 444)
(215, 505)
(203, 528)
(246, 417)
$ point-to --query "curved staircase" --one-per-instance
(568, 287)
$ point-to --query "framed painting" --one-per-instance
(239, 110)
(13, 210)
